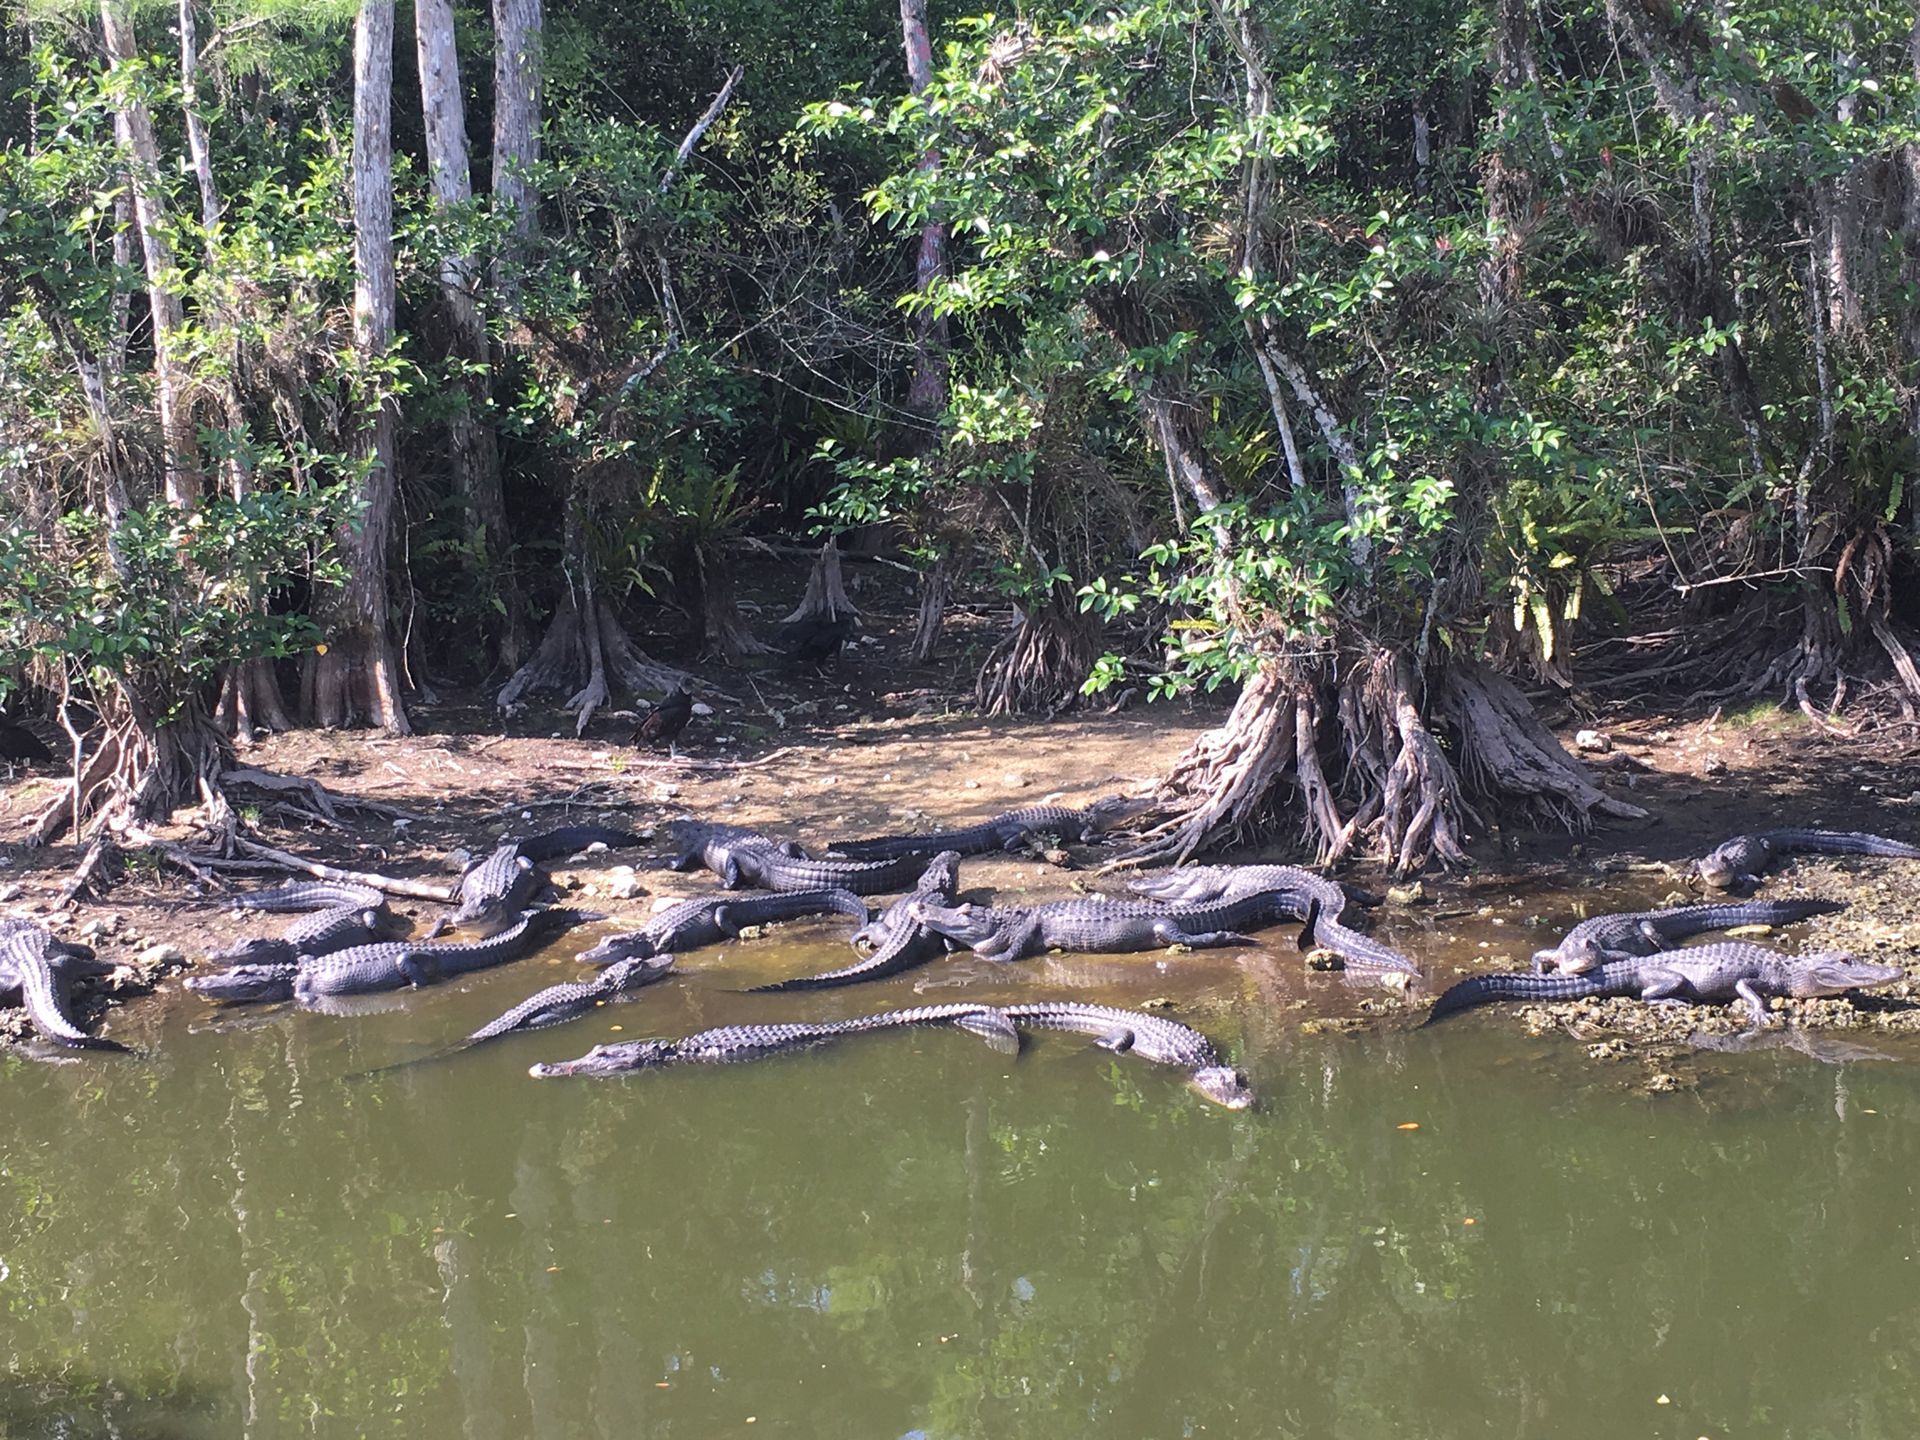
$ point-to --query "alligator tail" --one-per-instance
(1487, 989)
(1844, 842)
(42, 991)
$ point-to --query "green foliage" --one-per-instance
(161, 592)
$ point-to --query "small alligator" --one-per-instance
(304, 895)
(709, 919)
(900, 938)
(1298, 893)
(1003, 832)
(321, 933)
(1727, 971)
(730, 1044)
(391, 965)
(499, 887)
(742, 857)
(557, 1004)
(1098, 927)
(43, 970)
(1165, 1042)
(1642, 932)
(1737, 864)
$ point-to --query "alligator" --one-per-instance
(1165, 1042)
(1298, 893)
(304, 895)
(1100, 927)
(733, 1043)
(390, 965)
(557, 1004)
(321, 933)
(709, 919)
(1642, 932)
(1726, 971)
(1003, 832)
(899, 938)
(1736, 864)
(497, 888)
(742, 857)
(43, 970)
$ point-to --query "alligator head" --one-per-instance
(1833, 972)
(246, 983)
(1115, 810)
(636, 945)
(610, 1060)
(1224, 1085)
(1572, 956)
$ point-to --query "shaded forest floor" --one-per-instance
(875, 745)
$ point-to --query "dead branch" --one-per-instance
(393, 885)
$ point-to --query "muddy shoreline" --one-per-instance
(862, 760)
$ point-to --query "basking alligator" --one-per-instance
(1727, 971)
(1003, 832)
(1736, 864)
(1642, 932)
(1100, 927)
(557, 1004)
(901, 939)
(1295, 892)
(742, 857)
(1162, 1041)
(499, 887)
(733, 1043)
(322, 933)
(709, 919)
(43, 969)
(392, 965)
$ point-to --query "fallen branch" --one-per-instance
(321, 799)
(418, 889)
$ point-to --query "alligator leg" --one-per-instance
(1662, 985)
(1119, 1040)
(1168, 932)
(1756, 1005)
(685, 860)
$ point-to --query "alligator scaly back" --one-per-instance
(904, 940)
(1642, 932)
(1151, 1037)
(42, 969)
(731, 1044)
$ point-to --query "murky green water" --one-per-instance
(912, 1235)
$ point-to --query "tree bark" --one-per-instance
(472, 453)
(357, 678)
(517, 70)
(927, 393)
(133, 124)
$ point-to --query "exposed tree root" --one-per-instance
(136, 773)
(355, 680)
(935, 587)
(393, 885)
(250, 701)
(586, 648)
(1407, 795)
(826, 595)
(1041, 665)
(724, 629)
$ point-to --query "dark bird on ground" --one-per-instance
(19, 743)
(815, 640)
(666, 720)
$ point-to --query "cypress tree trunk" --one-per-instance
(473, 456)
(517, 69)
(357, 679)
